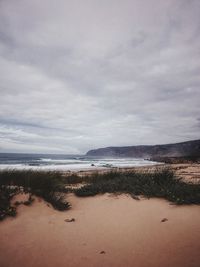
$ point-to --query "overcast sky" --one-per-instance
(77, 75)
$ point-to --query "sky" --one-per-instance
(78, 75)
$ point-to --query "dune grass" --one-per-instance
(161, 183)
(6, 195)
(53, 186)
(46, 184)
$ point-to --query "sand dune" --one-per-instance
(108, 231)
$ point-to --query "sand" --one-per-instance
(108, 231)
(189, 172)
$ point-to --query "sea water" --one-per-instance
(66, 162)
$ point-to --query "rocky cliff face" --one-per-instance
(190, 148)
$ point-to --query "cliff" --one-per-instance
(184, 149)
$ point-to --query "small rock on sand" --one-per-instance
(164, 220)
(70, 220)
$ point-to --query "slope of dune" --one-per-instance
(109, 231)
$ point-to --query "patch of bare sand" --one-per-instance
(108, 231)
(189, 172)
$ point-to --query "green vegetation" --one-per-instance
(48, 185)
(161, 183)
(6, 195)
(53, 186)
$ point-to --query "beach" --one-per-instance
(99, 133)
(110, 230)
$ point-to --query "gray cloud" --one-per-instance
(77, 75)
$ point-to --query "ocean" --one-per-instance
(65, 162)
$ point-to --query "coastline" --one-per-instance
(110, 230)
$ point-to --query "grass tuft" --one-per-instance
(161, 183)
(52, 186)
(46, 184)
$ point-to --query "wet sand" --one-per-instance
(109, 231)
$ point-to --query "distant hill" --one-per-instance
(184, 149)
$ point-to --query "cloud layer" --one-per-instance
(77, 75)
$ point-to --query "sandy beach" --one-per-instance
(99, 133)
(109, 231)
